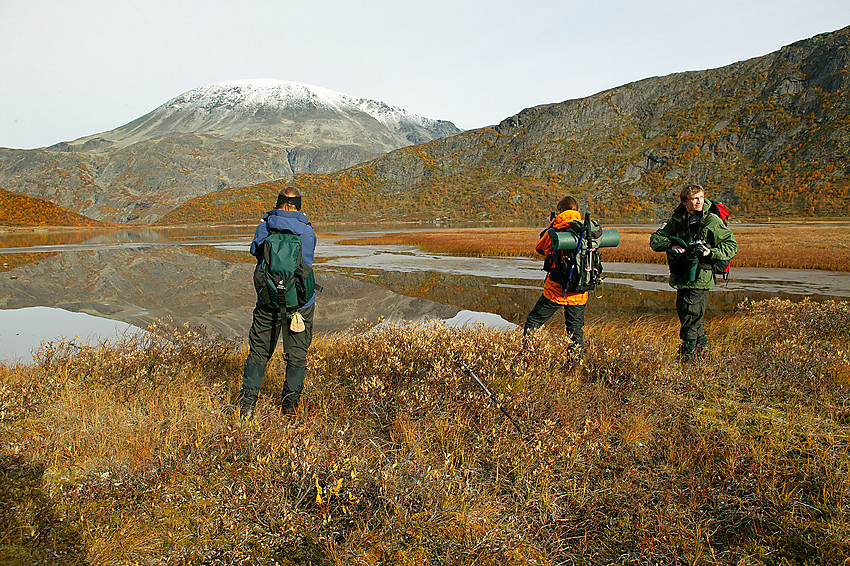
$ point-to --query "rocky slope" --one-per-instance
(770, 135)
(225, 134)
(23, 210)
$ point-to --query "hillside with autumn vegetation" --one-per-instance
(770, 136)
(221, 135)
(23, 210)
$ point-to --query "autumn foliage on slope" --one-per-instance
(358, 194)
(779, 189)
(23, 210)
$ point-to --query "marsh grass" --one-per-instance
(464, 242)
(801, 246)
(127, 453)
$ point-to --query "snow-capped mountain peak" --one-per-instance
(279, 112)
(271, 94)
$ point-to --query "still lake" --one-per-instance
(90, 285)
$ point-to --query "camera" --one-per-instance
(552, 216)
(698, 248)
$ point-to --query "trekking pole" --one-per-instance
(492, 397)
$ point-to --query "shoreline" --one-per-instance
(804, 244)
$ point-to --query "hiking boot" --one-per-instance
(702, 349)
(252, 381)
(246, 404)
(292, 388)
(575, 350)
(687, 351)
(246, 411)
(288, 403)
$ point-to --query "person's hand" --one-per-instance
(678, 249)
(701, 249)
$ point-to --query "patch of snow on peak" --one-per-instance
(386, 114)
(256, 93)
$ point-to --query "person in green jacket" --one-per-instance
(694, 240)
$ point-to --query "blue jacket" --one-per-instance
(287, 221)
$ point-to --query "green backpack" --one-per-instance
(282, 280)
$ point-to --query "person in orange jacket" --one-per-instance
(554, 295)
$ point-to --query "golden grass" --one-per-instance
(127, 453)
(812, 246)
(463, 241)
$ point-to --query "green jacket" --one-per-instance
(711, 229)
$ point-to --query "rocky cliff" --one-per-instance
(221, 135)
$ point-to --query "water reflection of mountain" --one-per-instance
(19, 248)
(49, 237)
(39, 237)
(142, 285)
(513, 298)
(141, 277)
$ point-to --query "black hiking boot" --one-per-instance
(292, 389)
(702, 349)
(288, 403)
(252, 381)
(687, 351)
(246, 405)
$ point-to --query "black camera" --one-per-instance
(698, 248)
(552, 216)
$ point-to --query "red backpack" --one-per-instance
(721, 267)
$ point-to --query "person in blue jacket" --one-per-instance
(268, 324)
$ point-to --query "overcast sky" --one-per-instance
(71, 68)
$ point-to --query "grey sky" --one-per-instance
(70, 68)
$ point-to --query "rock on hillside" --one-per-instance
(220, 135)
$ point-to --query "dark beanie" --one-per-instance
(283, 199)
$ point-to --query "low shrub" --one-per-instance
(127, 452)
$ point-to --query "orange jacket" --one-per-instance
(552, 290)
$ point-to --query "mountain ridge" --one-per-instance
(237, 108)
(209, 138)
(769, 135)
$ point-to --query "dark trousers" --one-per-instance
(266, 328)
(545, 308)
(691, 305)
